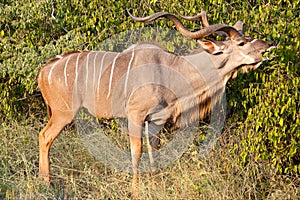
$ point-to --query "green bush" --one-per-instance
(269, 122)
(263, 105)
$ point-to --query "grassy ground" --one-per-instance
(77, 175)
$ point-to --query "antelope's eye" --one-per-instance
(241, 43)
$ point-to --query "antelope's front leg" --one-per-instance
(135, 135)
(152, 135)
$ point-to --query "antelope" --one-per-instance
(145, 84)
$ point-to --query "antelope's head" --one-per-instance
(231, 54)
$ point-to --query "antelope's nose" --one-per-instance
(272, 44)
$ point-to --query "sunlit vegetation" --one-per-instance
(257, 155)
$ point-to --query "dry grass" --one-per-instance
(77, 175)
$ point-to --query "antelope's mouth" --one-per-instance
(269, 54)
(266, 55)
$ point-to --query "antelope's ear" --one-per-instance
(211, 47)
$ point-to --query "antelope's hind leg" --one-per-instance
(58, 120)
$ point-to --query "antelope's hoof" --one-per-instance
(44, 177)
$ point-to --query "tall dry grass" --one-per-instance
(78, 175)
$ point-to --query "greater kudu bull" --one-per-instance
(144, 71)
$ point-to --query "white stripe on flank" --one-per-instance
(65, 71)
(111, 74)
(100, 73)
(87, 70)
(50, 72)
(76, 69)
(95, 68)
(128, 70)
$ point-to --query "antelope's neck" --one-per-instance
(207, 67)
